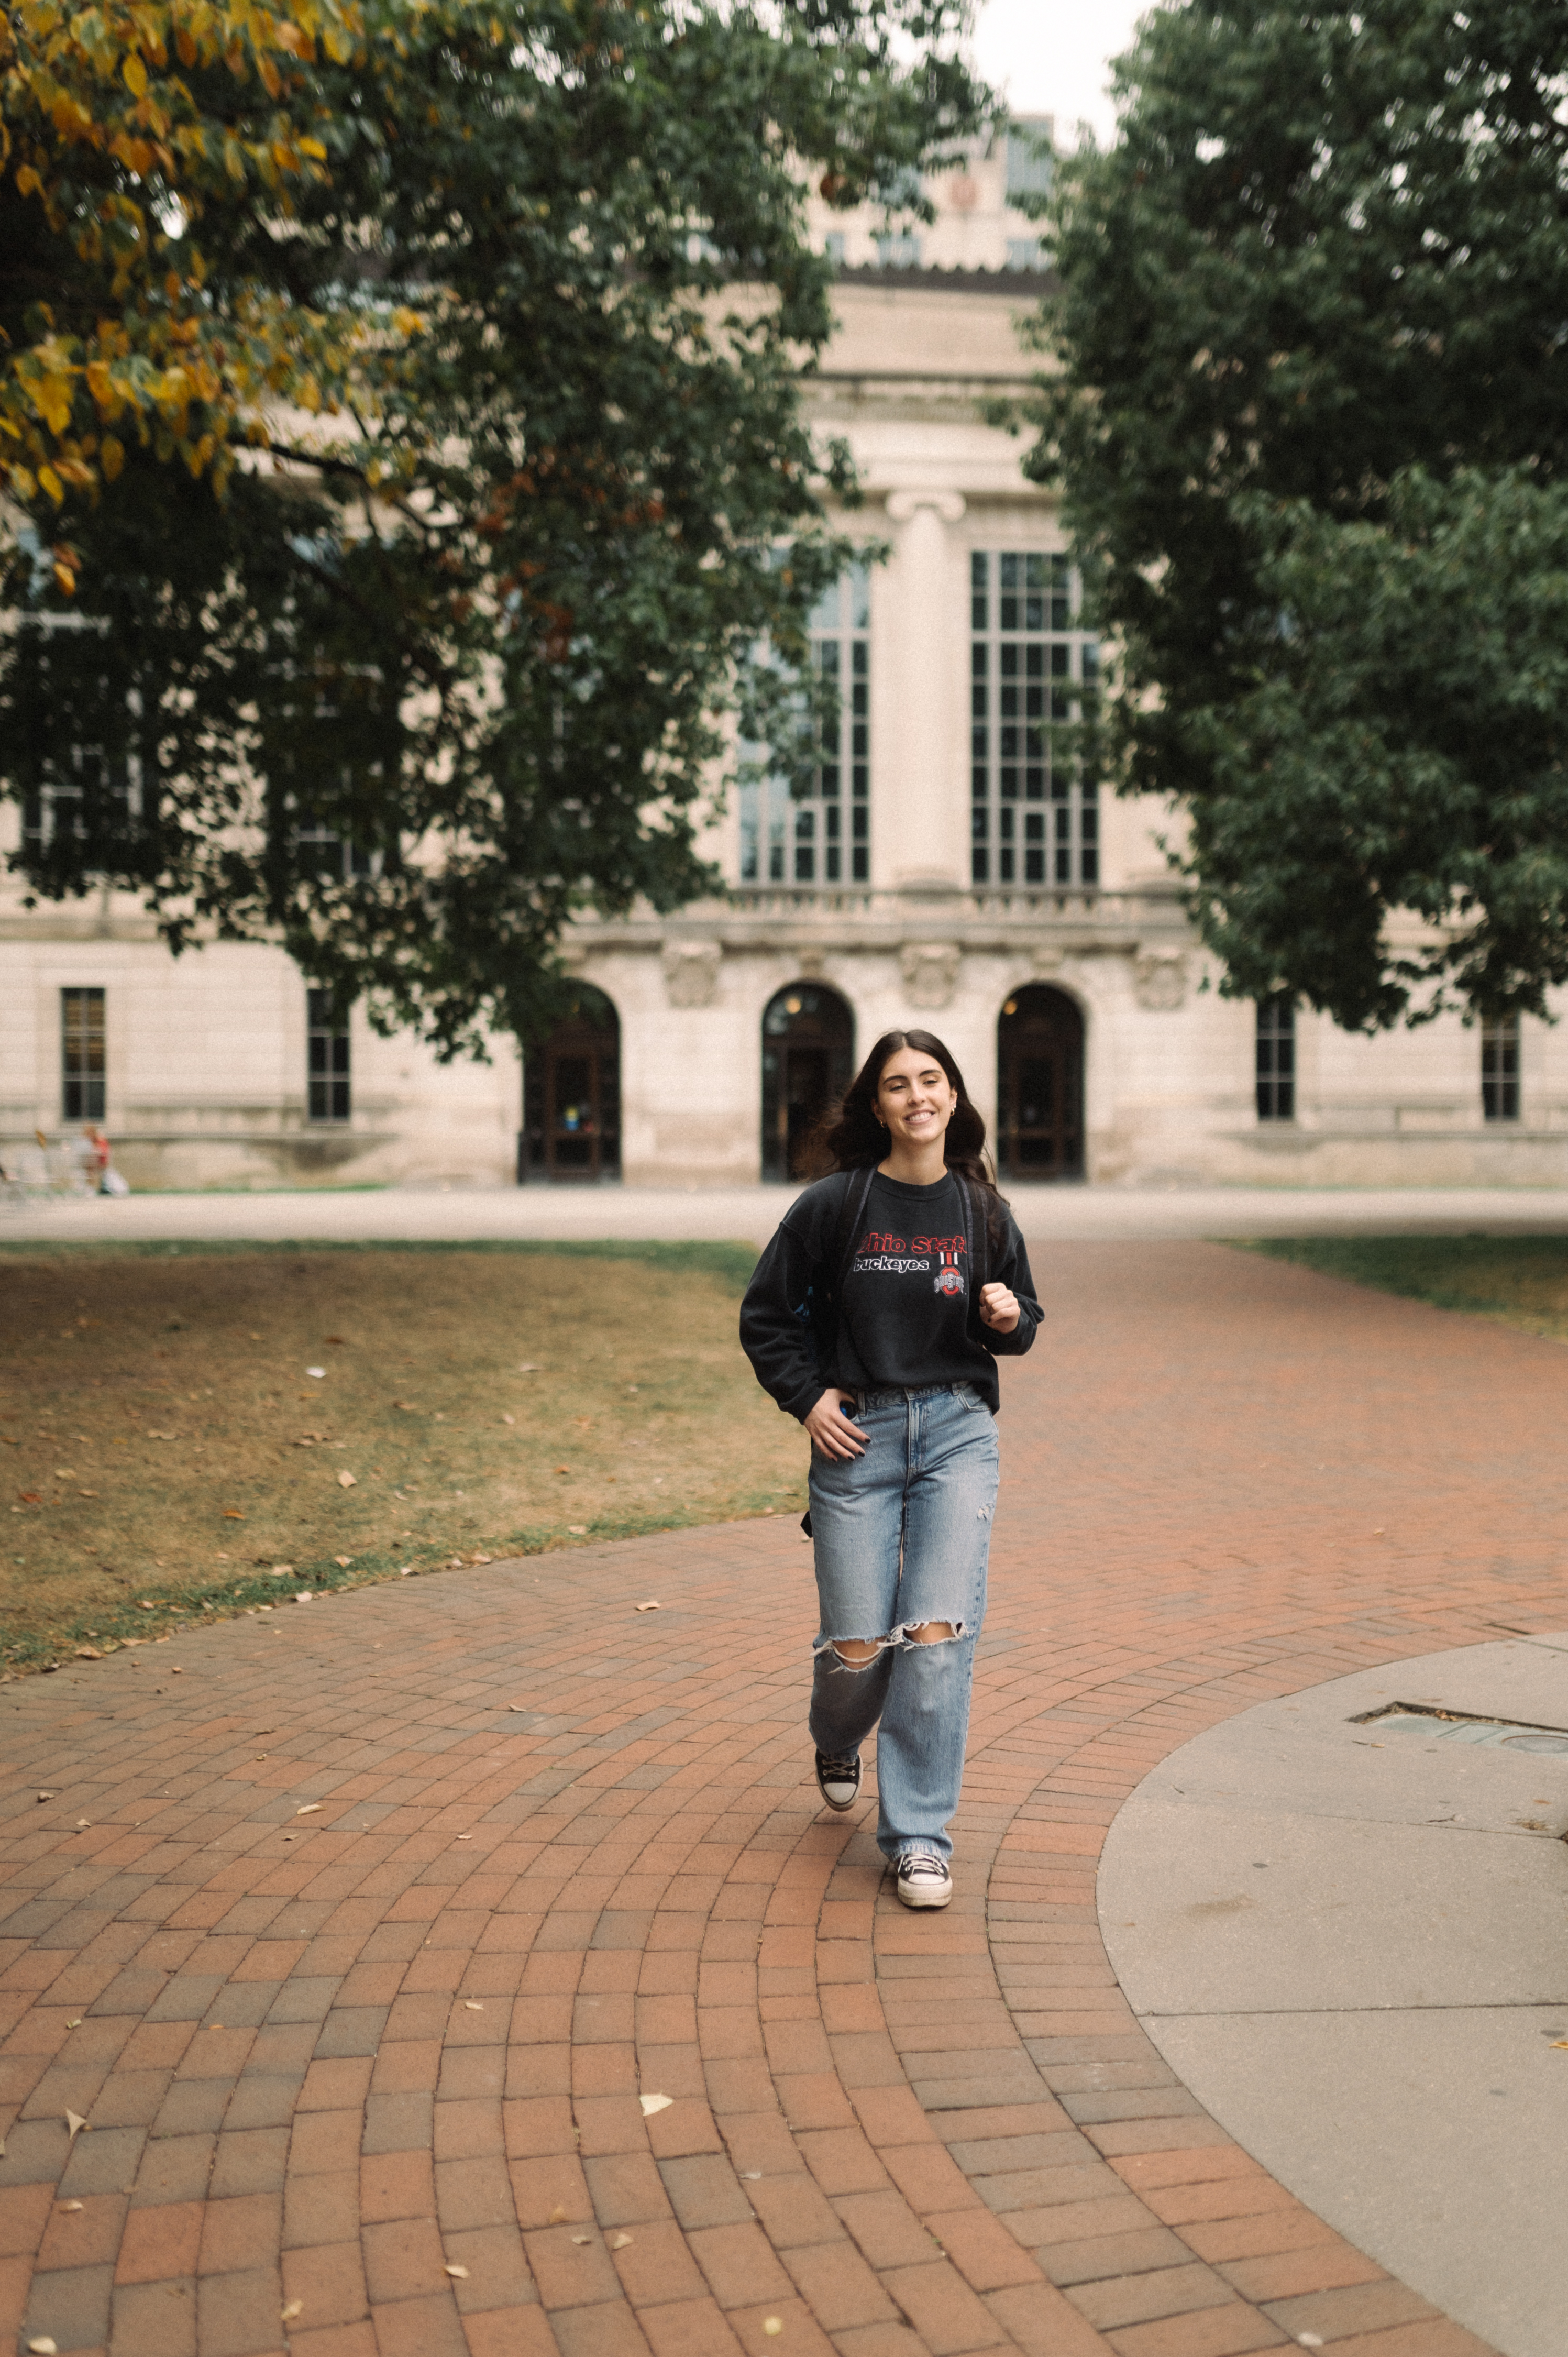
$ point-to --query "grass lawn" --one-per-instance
(170, 1454)
(1522, 1280)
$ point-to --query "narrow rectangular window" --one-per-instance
(822, 836)
(1276, 1058)
(1500, 1070)
(81, 1060)
(1029, 157)
(1031, 664)
(329, 1074)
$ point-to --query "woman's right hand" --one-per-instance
(832, 1434)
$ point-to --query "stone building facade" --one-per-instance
(941, 873)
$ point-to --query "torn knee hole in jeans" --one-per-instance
(904, 1635)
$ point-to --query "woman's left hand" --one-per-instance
(998, 1307)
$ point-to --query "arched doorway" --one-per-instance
(808, 1059)
(1039, 1086)
(571, 1094)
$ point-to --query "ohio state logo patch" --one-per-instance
(948, 1278)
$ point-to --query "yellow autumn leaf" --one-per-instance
(111, 457)
(51, 482)
(27, 182)
(51, 399)
(136, 74)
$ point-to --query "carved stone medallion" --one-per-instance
(930, 972)
(1159, 979)
(692, 973)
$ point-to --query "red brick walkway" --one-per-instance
(358, 1942)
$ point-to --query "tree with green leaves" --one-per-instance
(1309, 416)
(454, 650)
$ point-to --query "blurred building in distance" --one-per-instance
(944, 870)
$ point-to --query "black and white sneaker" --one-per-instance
(923, 1880)
(838, 1781)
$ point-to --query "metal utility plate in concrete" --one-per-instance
(1349, 1937)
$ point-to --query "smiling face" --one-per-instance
(915, 1098)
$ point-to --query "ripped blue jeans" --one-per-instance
(902, 1538)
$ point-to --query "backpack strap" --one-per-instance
(977, 1243)
(846, 1229)
(836, 1263)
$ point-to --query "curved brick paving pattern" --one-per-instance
(364, 2082)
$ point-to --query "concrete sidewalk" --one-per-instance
(465, 1968)
(750, 1214)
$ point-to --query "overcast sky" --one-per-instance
(1050, 56)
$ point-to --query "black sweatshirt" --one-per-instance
(910, 1317)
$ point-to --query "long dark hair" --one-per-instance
(858, 1139)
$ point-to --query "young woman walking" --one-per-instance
(876, 1316)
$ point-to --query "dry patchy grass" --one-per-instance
(164, 1445)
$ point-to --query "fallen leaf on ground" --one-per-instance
(310, 1809)
(508, 1419)
(46, 1796)
(88, 1654)
(232, 1514)
(772, 2326)
(582, 2238)
(347, 1480)
(319, 1373)
(619, 2242)
(751, 2175)
(472, 2005)
(651, 2103)
(650, 1607)
(75, 2024)
(562, 1468)
(578, 1530)
(343, 1561)
(43, 2347)
(527, 1367)
(70, 2205)
(557, 2216)
(75, 2124)
(296, 2307)
(145, 1604)
(461, 2273)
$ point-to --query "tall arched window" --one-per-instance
(571, 1095)
(1039, 1086)
(808, 1061)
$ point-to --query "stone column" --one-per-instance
(920, 813)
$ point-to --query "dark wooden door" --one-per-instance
(572, 1096)
(808, 1038)
(1039, 1086)
(807, 1081)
